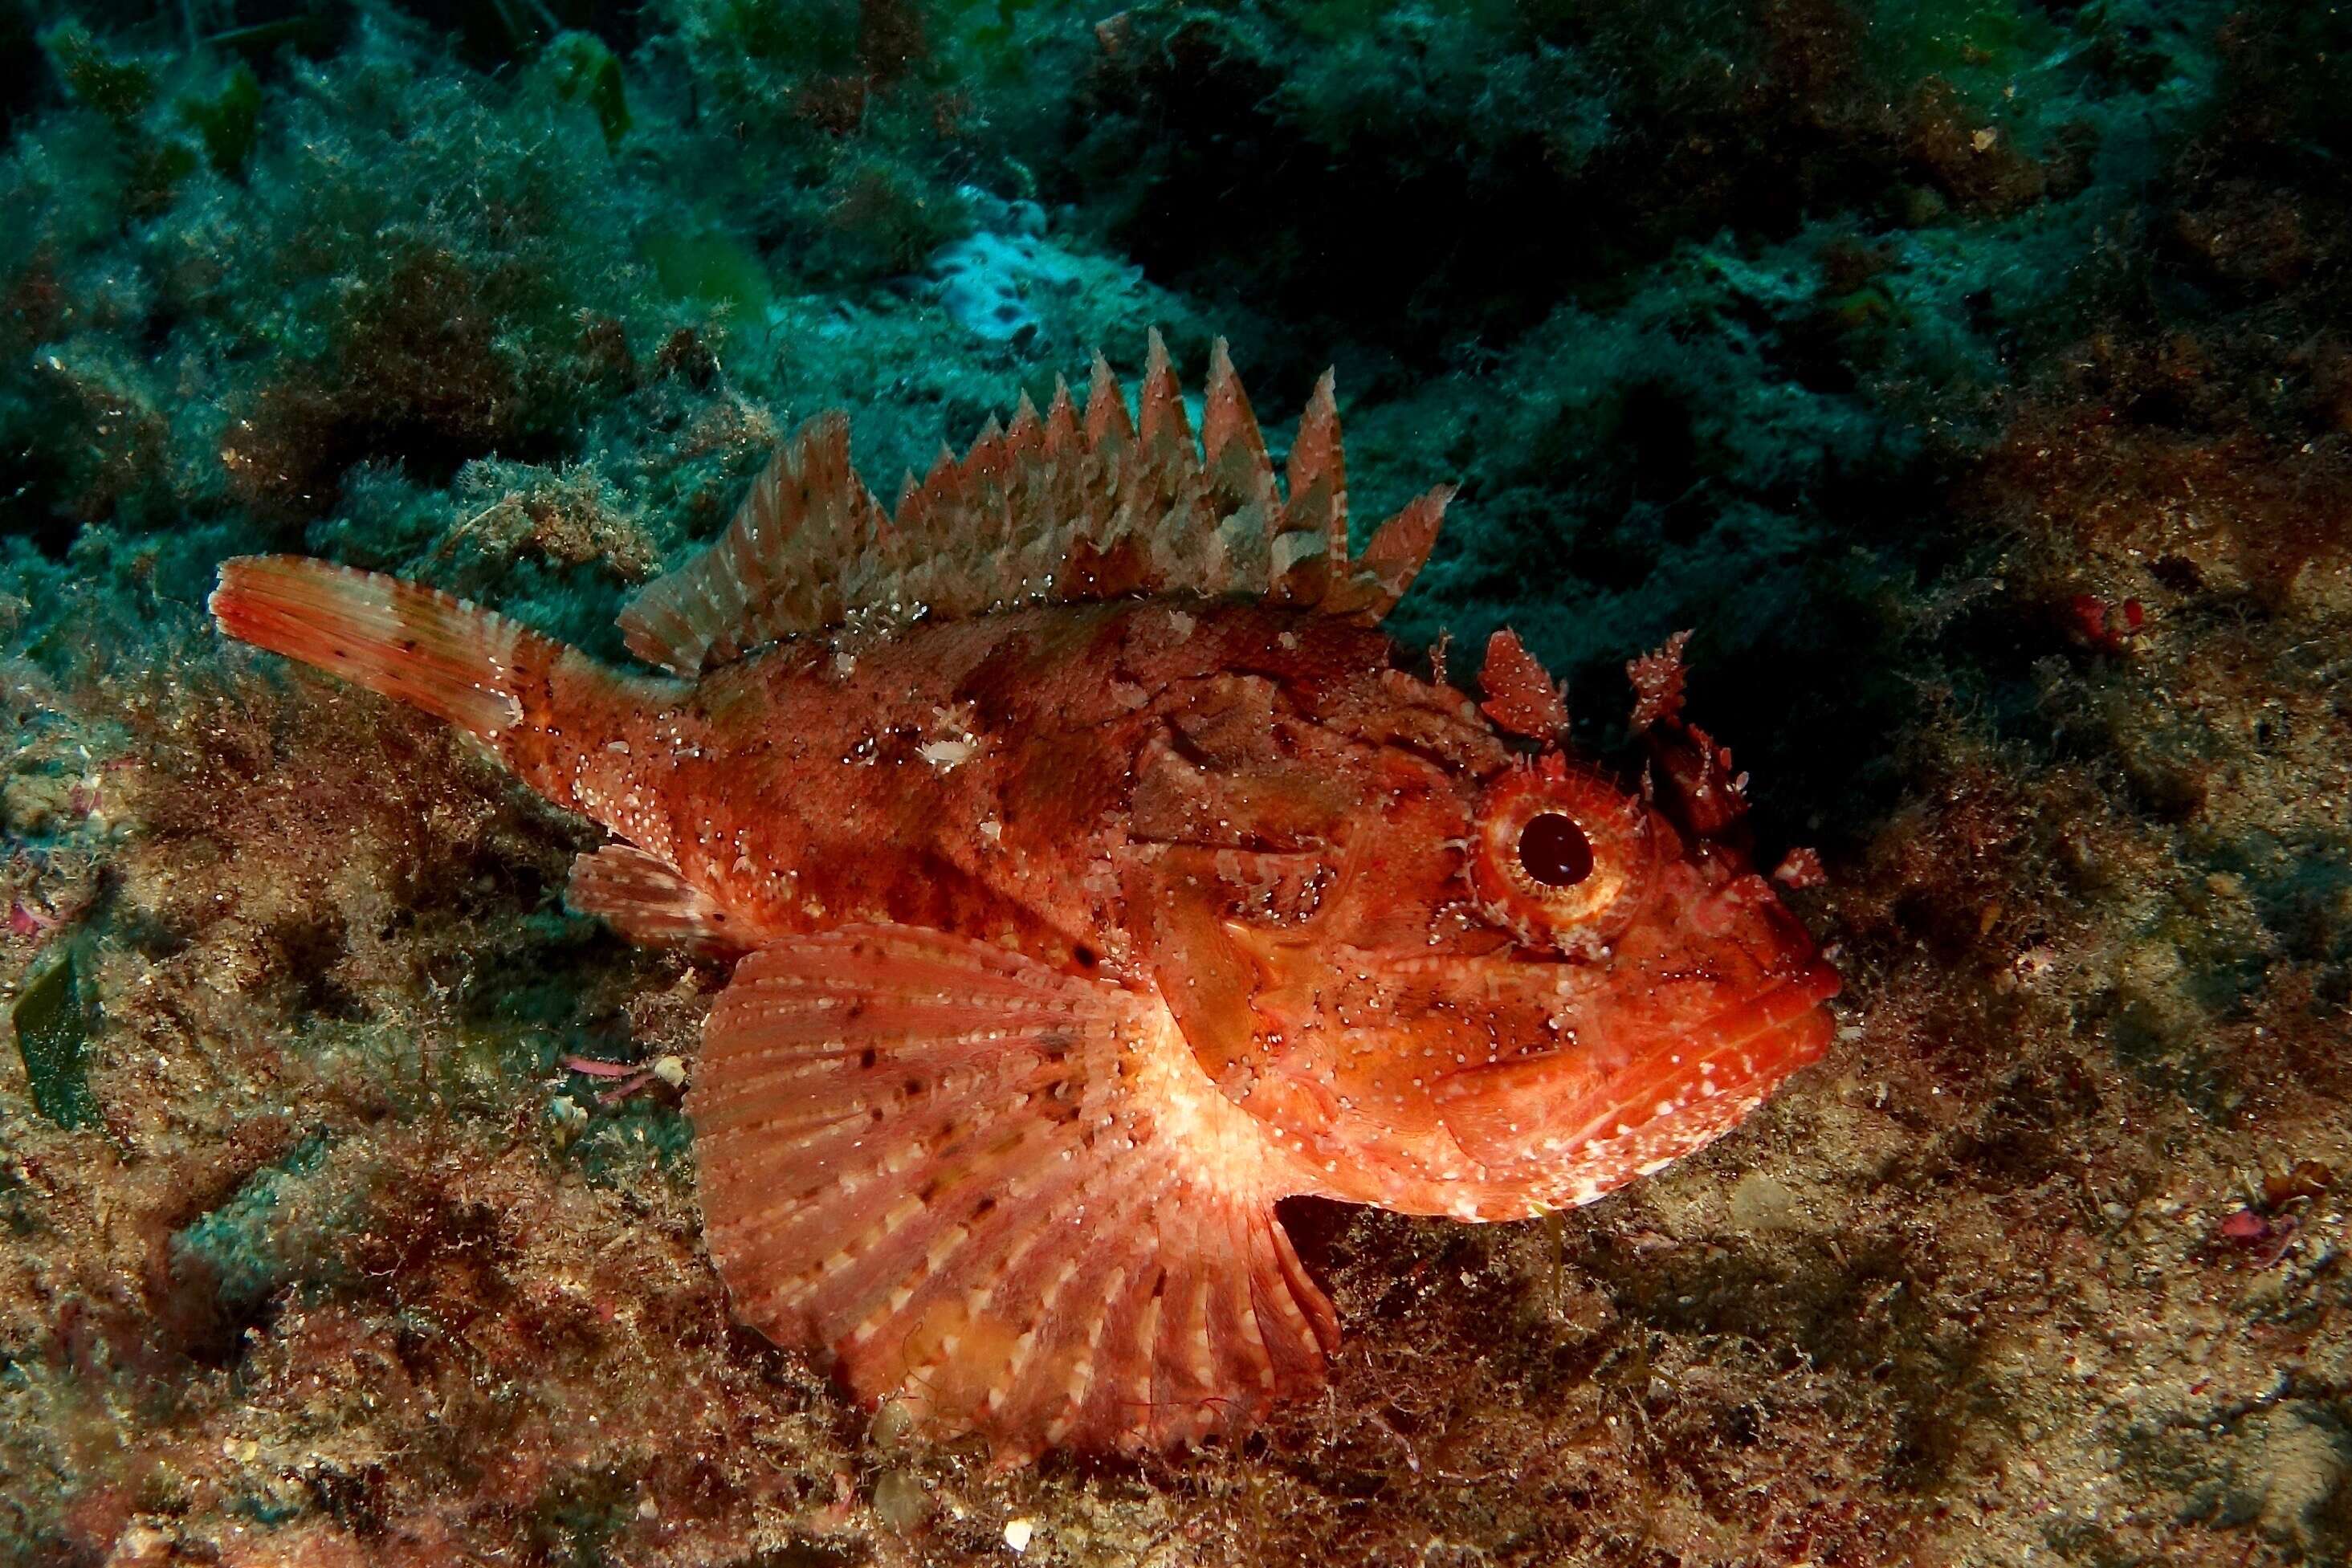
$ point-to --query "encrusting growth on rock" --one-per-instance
(1102, 883)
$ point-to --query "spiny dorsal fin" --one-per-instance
(799, 550)
(1054, 508)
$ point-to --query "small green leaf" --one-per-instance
(581, 69)
(53, 1036)
(703, 264)
(117, 89)
(229, 121)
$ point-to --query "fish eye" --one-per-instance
(1559, 856)
(1554, 850)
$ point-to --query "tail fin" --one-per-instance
(476, 669)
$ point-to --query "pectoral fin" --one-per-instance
(646, 899)
(1003, 1195)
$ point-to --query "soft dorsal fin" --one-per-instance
(1055, 508)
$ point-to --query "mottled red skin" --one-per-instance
(1248, 809)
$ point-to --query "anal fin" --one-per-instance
(1003, 1195)
(646, 899)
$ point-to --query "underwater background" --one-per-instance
(1972, 378)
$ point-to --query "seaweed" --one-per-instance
(51, 1022)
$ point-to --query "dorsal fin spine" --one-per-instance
(1231, 443)
(1159, 416)
(1026, 430)
(1061, 421)
(1107, 420)
(1318, 469)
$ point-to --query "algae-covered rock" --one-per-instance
(242, 1249)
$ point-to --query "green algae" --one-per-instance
(699, 262)
(116, 87)
(1986, 45)
(227, 118)
(52, 1025)
(577, 67)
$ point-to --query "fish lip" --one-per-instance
(1568, 1141)
(1790, 1013)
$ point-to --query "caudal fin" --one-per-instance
(459, 662)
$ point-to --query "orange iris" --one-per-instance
(1562, 856)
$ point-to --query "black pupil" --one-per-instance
(1555, 851)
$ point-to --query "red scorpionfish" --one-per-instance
(1098, 880)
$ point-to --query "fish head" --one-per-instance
(1457, 974)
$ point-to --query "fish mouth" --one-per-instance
(1674, 1097)
(1722, 1071)
(1789, 1019)
(1708, 1079)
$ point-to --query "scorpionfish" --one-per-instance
(1094, 877)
